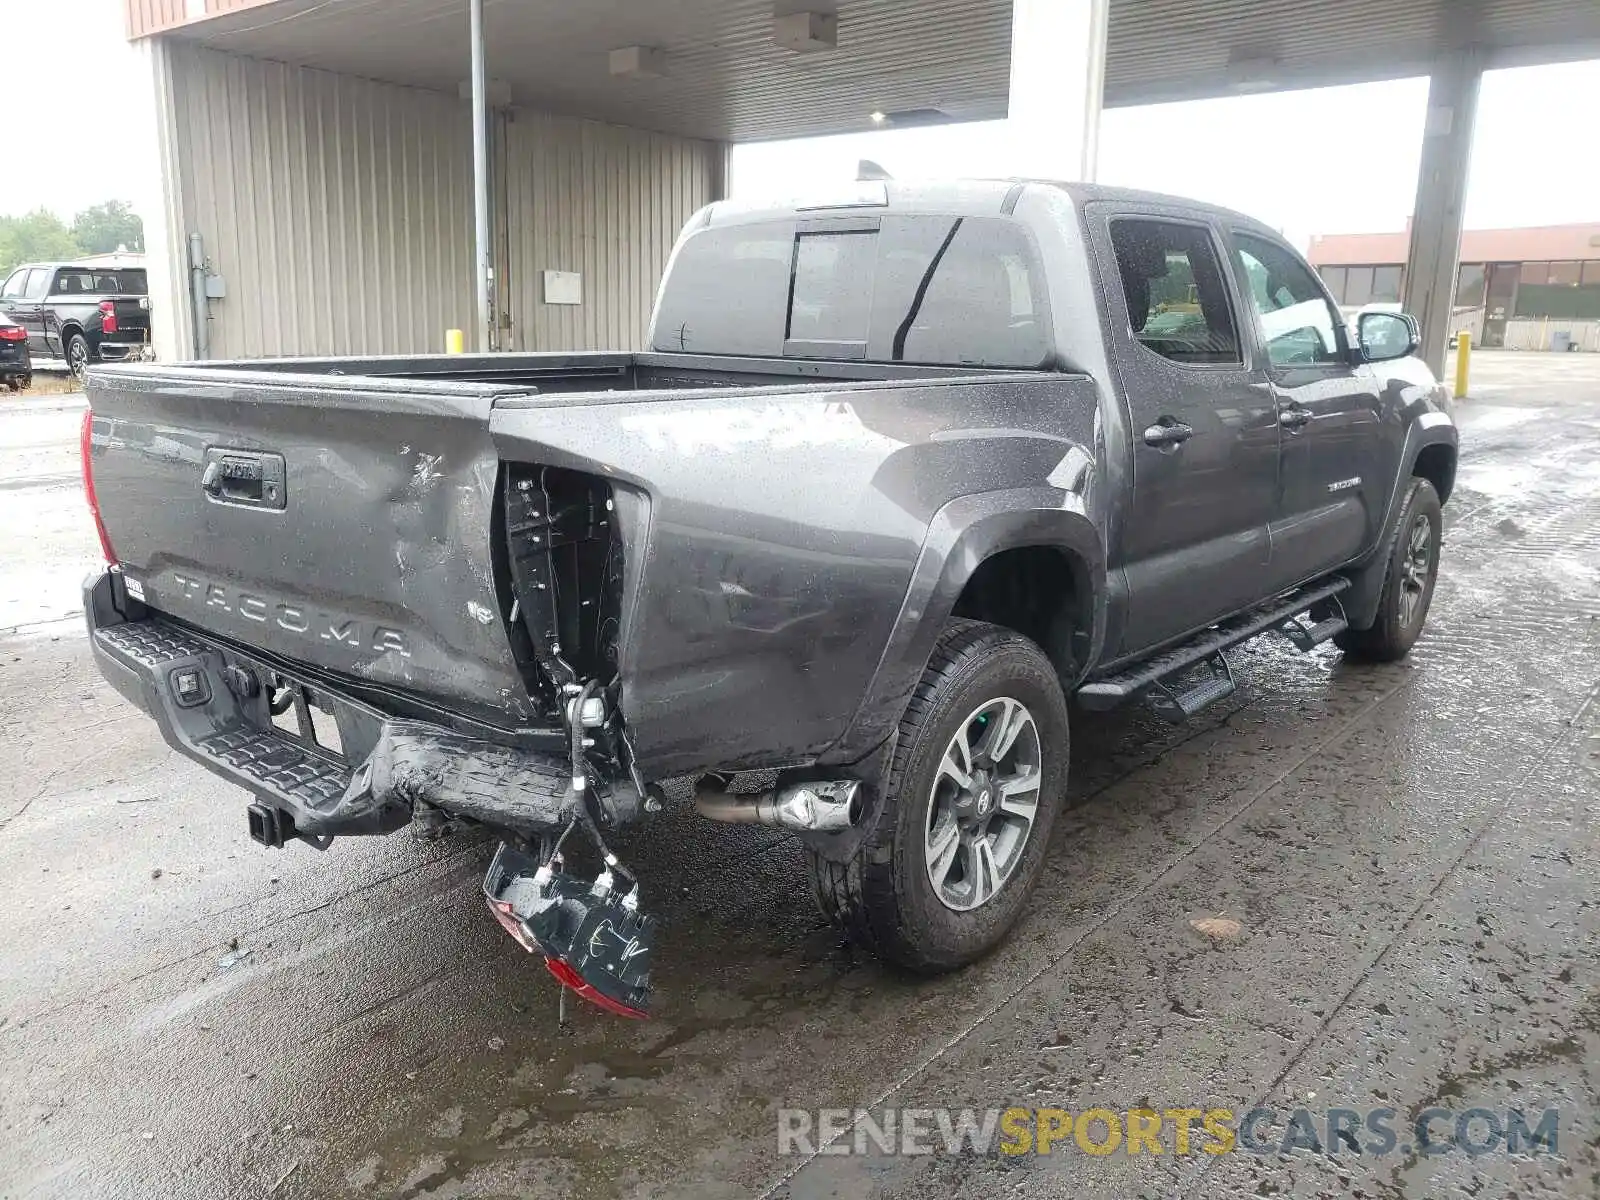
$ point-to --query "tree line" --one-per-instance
(41, 236)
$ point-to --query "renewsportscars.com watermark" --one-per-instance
(1370, 1132)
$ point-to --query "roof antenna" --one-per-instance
(866, 170)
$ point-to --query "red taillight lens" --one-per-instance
(570, 978)
(88, 488)
(13, 333)
(507, 917)
(108, 317)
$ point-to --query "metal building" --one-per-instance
(314, 187)
(1517, 289)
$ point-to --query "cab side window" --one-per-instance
(15, 285)
(1298, 324)
(1172, 281)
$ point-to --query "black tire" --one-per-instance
(884, 896)
(76, 352)
(1400, 619)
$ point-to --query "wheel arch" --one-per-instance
(1430, 453)
(1436, 462)
(1006, 535)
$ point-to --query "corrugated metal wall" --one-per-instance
(606, 202)
(339, 211)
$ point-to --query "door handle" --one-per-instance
(1295, 417)
(1167, 432)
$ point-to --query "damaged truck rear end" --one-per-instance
(847, 521)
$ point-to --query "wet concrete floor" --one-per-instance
(1411, 854)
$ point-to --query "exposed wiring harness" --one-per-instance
(580, 783)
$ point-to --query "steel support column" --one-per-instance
(1434, 253)
(483, 240)
(1058, 67)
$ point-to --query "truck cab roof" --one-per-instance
(958, 197)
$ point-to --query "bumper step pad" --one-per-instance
(402, 765)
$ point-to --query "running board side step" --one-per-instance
(1178, 706)
(1159, 675)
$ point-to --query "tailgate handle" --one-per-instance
(244, 477)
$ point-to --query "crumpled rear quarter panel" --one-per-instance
(770, 537)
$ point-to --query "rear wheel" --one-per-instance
(77, 352)
(1413, 567)
(978, 774)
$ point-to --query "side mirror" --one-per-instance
(1382, 336)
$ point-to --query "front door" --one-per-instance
(21, 301)
(1333, 487)
(1203, 425)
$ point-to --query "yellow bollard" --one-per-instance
(1463, 360)
(455, 342)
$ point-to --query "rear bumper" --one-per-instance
(381, 773)
(124, 351)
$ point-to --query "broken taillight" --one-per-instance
(86, 444)
(569, 977)
(507, 917)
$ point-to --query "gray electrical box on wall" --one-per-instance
(563, 287)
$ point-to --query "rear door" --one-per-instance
(1204, 426)
(1333, 488)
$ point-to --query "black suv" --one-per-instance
(80, 314)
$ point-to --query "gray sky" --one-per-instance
(1326, 161)
(40, 36)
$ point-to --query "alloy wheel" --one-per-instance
(1416, 569)
(983, 805)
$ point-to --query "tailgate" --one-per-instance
(133, 319)
(341, 523)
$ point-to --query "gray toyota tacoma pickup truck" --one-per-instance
(902, 472)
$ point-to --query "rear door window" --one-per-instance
(38, 282)
(1173, 285)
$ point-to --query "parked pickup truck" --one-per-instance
(80, 314)
(902, 471)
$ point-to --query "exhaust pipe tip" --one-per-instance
(814, 807)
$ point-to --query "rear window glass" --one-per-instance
(832, 299)
(982, 306)
(929, 290)
(727, 292)
(127, 281)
